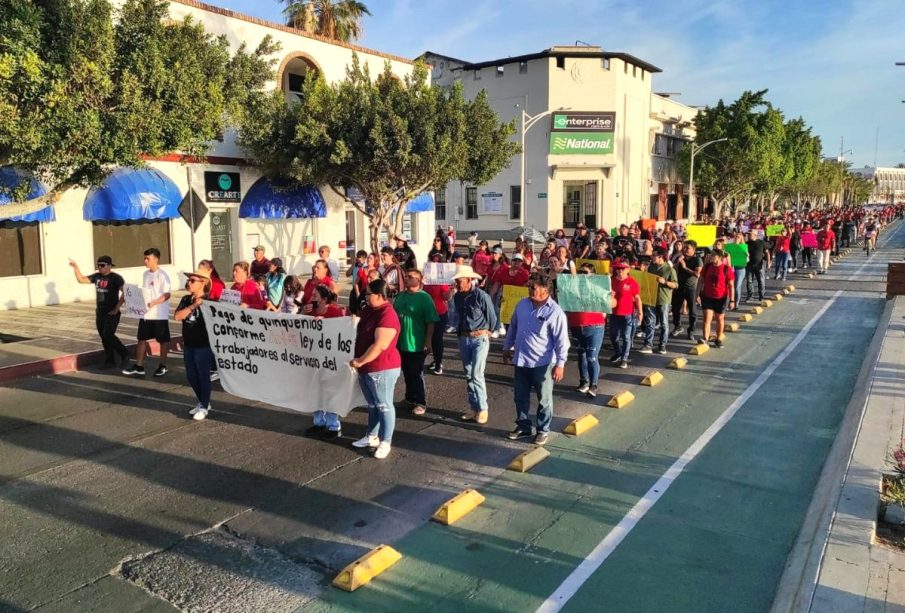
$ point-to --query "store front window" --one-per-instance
(126, 241)
(20, 248)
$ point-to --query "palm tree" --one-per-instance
(336, 19)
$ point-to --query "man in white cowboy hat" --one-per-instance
(476, 319)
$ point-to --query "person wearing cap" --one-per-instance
(260, 265)
(196, 346)
(108, 288)
(404, 254)
(628, 309)
(391, 270)
(477, 318)
(537, 345)
(581, 243)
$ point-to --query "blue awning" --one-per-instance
(422, 203)
(12, 178)
(130, 194)
(278, 199)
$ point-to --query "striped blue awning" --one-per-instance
(11, 178)
(279, 199)
(131, 194)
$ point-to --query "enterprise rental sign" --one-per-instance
(582, 133)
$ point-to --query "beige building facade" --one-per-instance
(889, 183)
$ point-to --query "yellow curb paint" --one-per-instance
(524, 462)
(791, 288)
(811, 275)
(699, 349)
(455, 509)
(678, 363)
(652, 379)
(778, 297)
(745, 318)
(767, 304)
(733, 327)
(581, 425)
(361, 571)
(621, 399)
(757, 310)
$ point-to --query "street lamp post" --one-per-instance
(693, 203)
(528, 121)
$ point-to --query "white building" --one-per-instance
(600, 149)
(235, 208)
(889, 183)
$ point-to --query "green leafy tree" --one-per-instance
(389, 138)
(84, 90)
(335, 19)
(803, 151)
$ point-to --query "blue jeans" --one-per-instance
(739, 277)
(622, 328)
(656, 317)
(328, 420)
(378, 388)
(497, 304)
(198, 362)
(588, 340)
(780, 264)
(474, 359)
(451, 314)
(540, 380)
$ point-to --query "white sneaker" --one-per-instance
(382, 451)
(450, 330)
(367, 441)
(201, 414)
(198, 407)
(215, 376)
(494, 334)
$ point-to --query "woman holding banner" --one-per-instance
(587, 330)
(378, 363)
(323, 301)
(196, 347)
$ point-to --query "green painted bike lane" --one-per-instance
(717, 540)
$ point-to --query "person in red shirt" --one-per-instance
(441, 295)
(320, 275)
(716, 288)
(251, 297)
(217, 284)
(513, 273)
(781, 254)
(587, 328)
(627, 313)
(480, 261)
(326, 424)
(826, 244)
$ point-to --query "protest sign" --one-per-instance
(584, 293)
(808, 240)
(231, 296)
(738, 254)
(136, 304)
(601, 267)
(648, 284)
(648, 224)
(704, 236)
(511, 295)
(439, 273)
(775, 229)
(290, 361)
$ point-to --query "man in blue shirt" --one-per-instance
(476, 319)
(537, 344)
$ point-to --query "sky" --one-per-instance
(831, 62)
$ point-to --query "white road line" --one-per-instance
(570, 586)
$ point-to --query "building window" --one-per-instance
(659, 145)
(477, 75)
(671, 147)
(515, 201)
(634, 71)
(561, 62)
(126, 241)
(500, 70)
(440, 204)
(605, 62)
(20, 248)
(625, 67)
(523, 67)
(471, 203)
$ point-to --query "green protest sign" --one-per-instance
(584, 293)
(738, 254)
(775, 230)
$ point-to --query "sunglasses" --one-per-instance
(102, 265)
(194, 280)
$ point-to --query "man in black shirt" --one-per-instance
(581, 243)
(757, 254)
(109, 290)
(688, 269)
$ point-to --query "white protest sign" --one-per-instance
(136, 301)
(439, 273)
(290, 361)
(231, 296)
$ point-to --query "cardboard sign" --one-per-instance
(136, 304)
(231, 296)
(808, 240)
(601, 267)
(439, 273)
(738, 254)
(648, 285)
(775, 229)
(584, 293)
(511, 295)
(704, 236)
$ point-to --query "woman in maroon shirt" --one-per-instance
(781, 254)
(378, 363)
(251, 295)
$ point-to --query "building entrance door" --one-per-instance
(222, 242)
(351, 238)
(579, 204)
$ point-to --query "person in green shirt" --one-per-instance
(417, 316)
(656, 316)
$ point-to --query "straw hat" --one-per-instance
(465, 272)
(200, 273)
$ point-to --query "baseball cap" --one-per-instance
(457, 255)
(276, 262)
(105, 259)
(498, 250)
(259, 248)
(619, 264)
(517, 256)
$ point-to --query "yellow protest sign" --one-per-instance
(511, 295)
(648, 284)
(704, 236)
(601, 267)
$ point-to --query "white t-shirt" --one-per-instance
(157, 284)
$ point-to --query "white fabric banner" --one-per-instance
(290, 361)
(136, 301)
(439, 273)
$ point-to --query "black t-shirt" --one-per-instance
(107, 289)
(194, 332)
(757, 250)
(580, 243)
(687, 279)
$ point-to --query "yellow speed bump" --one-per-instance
(678, 363)
(733, 327)
(811, 275)
(699, 349)
(745, 318)
(361, 571)
(455, 509)
(778, 297)
(767, 304)
(757, 310)
(621, 399)
(791, 288)
(652, 379)
(581, 425)
(527, 460)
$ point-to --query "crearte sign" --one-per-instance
(222, 187)
(581, 121)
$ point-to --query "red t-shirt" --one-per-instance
(217, 287)
(626, 290)
(782, 244)
(716, 281)
(313, 282)
(585, 319)
(333, 310)
(437, 292)
(480, 262)
(504, 276)
(371, 319)
(825, 239)
(251, 294)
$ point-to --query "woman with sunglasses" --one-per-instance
(196, 347)
(217, 284)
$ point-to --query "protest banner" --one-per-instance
(511, 295)
(231, 296)
(648, 284)
(704, 236)
(601, 267)
(136, 301)
(584, 293)
(775, 229)
(290, 361)
(738, 254)
(439, 273)
(808, 240)
(648, 224)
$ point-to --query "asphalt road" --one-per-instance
(113, 499)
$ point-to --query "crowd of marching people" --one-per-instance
(401, 320)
